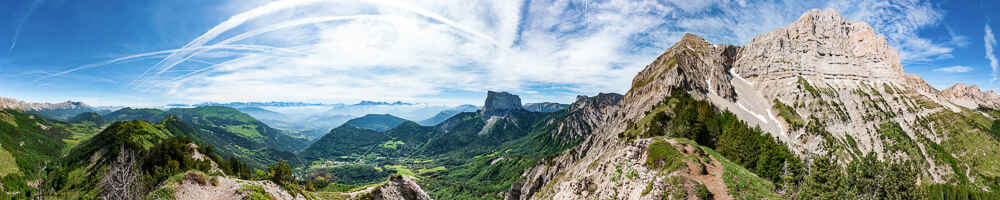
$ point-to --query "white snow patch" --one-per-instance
(709, 81)
(760, 117)
(731, 72)
(775, 120)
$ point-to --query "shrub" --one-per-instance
(281, 173)
(196, 177)
(254, 192)
(661, 154)
(701, 192)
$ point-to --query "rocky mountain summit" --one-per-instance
(498, 103)
(970, 96)
(826, 89)
(823, 44)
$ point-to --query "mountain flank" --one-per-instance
(814, 110)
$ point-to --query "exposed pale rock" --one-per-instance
(829, 69)
(971, 96)
(9, 103)
(400, 188)
(821, 43)
(499, 103)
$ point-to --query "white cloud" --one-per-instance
(956, 39)
(990, 41)
(900, 21)
(420, 50)
(957, 68)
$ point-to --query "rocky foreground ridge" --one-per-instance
(824, 86)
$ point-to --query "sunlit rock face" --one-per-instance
(821, 43)
(970, 96)
(821, 69)
(498, 103)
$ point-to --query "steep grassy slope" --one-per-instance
(376, 122)
(344, 142)
(127, 160)
(446, 114)
(493, 168)
(29, 145)
(129, 114)
(234, 133)
(238, 134)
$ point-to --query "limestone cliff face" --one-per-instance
(498, 103)
(828, 70)
(691, 64)
(586, 117)
(821, 43)
(971, 96)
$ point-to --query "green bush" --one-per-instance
(701, 192)
(254, 192)
(680, 115)
(661, 154)
(281, 173)
(172, 156)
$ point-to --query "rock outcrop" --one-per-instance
(544, 107)
(821, 43)
(399, 188)
(971, 96)
(499, 103)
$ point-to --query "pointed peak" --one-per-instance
(962, 87)
(692, 37)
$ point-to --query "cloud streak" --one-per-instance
(989, 40)
(20, 24)
(954, 69)
(424, 50)
(156, 53)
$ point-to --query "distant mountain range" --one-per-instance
(57, 111)
(285, 104)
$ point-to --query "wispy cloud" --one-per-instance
(956, 39)
(957, 69)
(900, 21)
(20, 24)
(362, 49)
(989, 40)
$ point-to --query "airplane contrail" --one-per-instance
(241, 47)
(289, 24)
(434, 16)
(239, 19)
(20, 24)
(231, 23)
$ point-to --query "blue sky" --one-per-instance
(147, 53)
